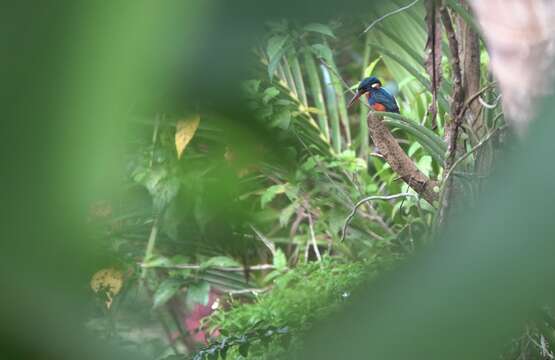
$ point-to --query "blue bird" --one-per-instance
(378, 98)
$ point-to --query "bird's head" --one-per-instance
(365, 86)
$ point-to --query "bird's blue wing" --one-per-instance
(383, 97)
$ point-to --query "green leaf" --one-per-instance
(167, 289)
(320, 28)
(370, 68)
(251, 87)
(159, 261)
(427, 138)
(220, 261)
(223, 352)
(274, 63)
(280, 261)
(286, 214)
(198, 293)
(322, 51)
(275, 50)
(275, 45)
(269, 94)
(244, 349)
(271, 193)
(282, 119)
(425, 165)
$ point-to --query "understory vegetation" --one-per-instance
(230, 237)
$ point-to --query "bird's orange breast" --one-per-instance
(379, 107)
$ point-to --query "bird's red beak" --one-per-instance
(355, 98)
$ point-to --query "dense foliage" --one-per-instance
(240, 238)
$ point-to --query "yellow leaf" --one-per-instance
(109, 281)
(185, 130)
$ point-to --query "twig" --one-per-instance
(260, 267)
(154, 230)
(363, 201)
(254, 291)
(383, 17)
(313, 237)
(372, 213)
(490, 106)
(150, 246)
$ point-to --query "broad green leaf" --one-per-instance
(280, 261)
(282, 119)
(159, 261)
(322, 51)
(286, 214)
(220, 261)
(271, 193)
(320, 28)
(198, 293)
(269, 94)
(165, 192)
(370, 68)
(167, 289)
(425, 165)
(275, 50)
(251, 87)
(274, 63)
(414, 147)
(275, 45)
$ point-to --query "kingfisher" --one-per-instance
(378, 97)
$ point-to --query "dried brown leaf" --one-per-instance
(185, 130)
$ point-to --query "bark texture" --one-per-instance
(453, 127)
(469, 43)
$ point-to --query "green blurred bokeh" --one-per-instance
(74, 72)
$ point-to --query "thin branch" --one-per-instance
(363, 201)
(383, 17)
(150, 246)
(260, 267)
(312, 236)
(154, 230)
(253, 291)
(490, 106)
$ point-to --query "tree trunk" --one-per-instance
(520, 35)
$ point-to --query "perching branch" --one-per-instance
(364, 201)
(399, 161)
